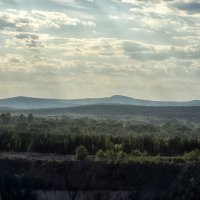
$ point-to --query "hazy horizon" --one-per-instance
(183, 100)
(72, 49)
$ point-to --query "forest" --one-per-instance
(100, 138)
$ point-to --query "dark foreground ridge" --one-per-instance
(32, 176)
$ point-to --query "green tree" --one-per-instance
(21, 118)
(100, 155)
(30, 118)
(30, 146)
(5, 118)
(81, 152)
(121, 155)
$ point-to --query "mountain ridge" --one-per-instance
(33, 102)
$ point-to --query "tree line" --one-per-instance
(63, 135)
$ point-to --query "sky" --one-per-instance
(95, 48)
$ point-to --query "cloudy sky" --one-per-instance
(94, 48)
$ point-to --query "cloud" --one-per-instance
(6, 24)
(35, 20)
(189, 6)
(160, 52)
(27, 36)
(91, 48)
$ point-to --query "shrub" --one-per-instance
(137, 152)
(110, 154)
(121, 155)
(100, 155)
(192, 155)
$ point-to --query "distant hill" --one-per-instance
(28, 102)
(110, 111)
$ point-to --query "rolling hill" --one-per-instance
(110, 111)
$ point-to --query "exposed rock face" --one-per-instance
(84, 195)
(73, 180)
(51, 195)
